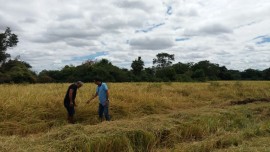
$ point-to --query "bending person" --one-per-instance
(69, 101)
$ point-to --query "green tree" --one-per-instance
(68, 73)
(266, 74)
(235, 74)
(13, 70)
(148, 75)
(137, 66)
(43, 77)
(251, 74)
(18, 72)
(108, 72)
(199, 75)
(210, 70)
(181, 68)
(163, 60)
(7, 39)
(166, 74)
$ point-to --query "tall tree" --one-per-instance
(211, 70)
(163, 60)
(251, 74)
(181, 68)
(7, 39)
(266, 74)
(137, 66)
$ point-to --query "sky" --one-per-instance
(55, 33)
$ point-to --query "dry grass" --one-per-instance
(145, 117)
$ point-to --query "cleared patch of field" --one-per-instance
(195, 117)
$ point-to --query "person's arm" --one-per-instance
(107, 97)
(93, 97)
(70, 97)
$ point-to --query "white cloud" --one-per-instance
(146, 43)
(54, 32)
(212, 29)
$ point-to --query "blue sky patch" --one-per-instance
(263, 39)
(258, 37)
(181, 39)
(150, 28)
(87, 57)
(169, 10)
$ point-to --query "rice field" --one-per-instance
(154, 117)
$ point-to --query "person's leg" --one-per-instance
(67, 112)
(70, 120)
(71, 115)
(106, 112)
(100, 112)
(71, 112)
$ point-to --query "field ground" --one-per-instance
(162, 117)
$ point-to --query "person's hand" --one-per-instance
(106, 103)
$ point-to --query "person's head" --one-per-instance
(79, 84)
(97, 81)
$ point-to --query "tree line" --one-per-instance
(163, 70)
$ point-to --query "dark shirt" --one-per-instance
(74, 87)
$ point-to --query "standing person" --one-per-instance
(102, 92)
(69, 101)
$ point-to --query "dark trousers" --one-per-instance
(70, 110)
(104, 110)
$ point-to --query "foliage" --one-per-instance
(137, 66)
(199, 75)
(166, 74)
(163, 60)
(251, 74)
(163, 70)
(266, 74)
(208, 70)
(7, 40)
(13, 71)
(16, 71)
(201, 71)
